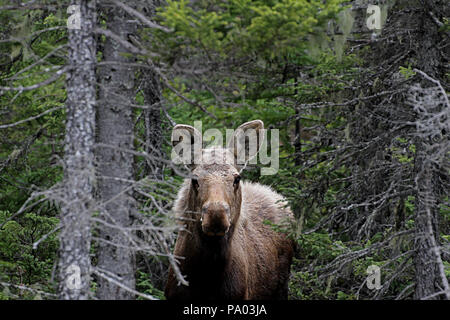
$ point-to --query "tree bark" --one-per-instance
(153, 133)
(79, 176)
(427, 194)
(151, 89)
(115, 167)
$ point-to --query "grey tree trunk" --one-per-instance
(151, 89)
(427, 194)
(153, 133)
(115, 126)
(427, 273)
(79, 176)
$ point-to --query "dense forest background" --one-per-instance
(89, 93)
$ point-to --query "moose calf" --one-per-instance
(227, 250)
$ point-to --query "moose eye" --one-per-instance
(236, 181)
(195, 183)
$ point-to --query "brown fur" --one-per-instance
(251, 260)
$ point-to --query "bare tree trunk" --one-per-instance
(427, 194)
(115, 167)
(426, 215)
(79, 176)
(153, 133)
(151, 89)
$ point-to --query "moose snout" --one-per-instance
(215, 218)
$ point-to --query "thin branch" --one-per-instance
(127, 45)
(423, 74)
(102, 273)
(4, 126)
(447, 293)
(36, 243)
(32, 35)
(30, 5)
(403, 292)
(25, 207)
(51, 53)
(140, 16)
(47, 81)
(436, 20)
(21, 287)
(184, 98)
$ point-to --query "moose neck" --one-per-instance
(215, 249)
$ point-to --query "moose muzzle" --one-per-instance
(215, 218)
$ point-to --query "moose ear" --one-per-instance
(187, 145)
(246, 141)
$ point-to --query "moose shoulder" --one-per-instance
(227, 251)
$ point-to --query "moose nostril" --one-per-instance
(215, 225)
(216, 208)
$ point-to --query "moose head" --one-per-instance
(215, 187)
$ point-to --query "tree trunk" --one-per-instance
(115, 167)
(79, 176)
(153, 133)
(151, 89)
(427, 195)
(427, 272)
